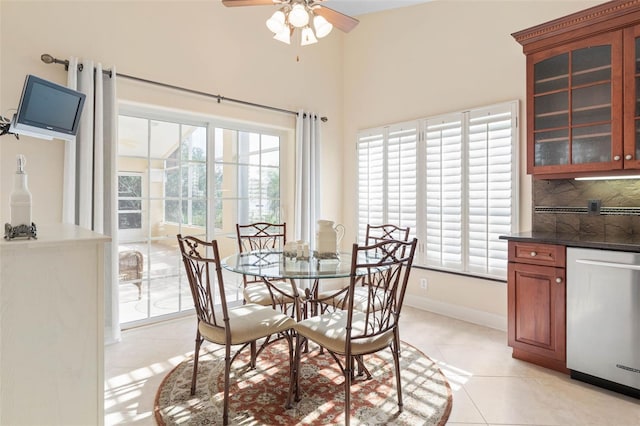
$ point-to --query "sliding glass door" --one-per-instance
(189, 177)
(162, 190)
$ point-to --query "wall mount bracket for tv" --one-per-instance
(5, 124)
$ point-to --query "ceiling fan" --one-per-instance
(301, 14)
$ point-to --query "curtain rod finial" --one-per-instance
(47, 59)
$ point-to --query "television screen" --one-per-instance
(47, 110)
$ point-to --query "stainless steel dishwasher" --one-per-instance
(603, 318)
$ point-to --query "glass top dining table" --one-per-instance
(274, 265)
(304, 274)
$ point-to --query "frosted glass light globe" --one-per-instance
(308, 37)
(323, 27)
(276, 22)
(298, 17)
(284, 35)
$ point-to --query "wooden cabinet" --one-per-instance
(583, 93)
(536, 303)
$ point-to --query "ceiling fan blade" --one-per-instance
(232, 3)
(339, 20)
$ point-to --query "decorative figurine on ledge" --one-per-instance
(20, 231)
(20, 225)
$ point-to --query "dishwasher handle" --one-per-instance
(609, 264)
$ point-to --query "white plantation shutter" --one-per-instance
(370, 179)
(491, 177)
(443, 190)
(387, 176)
(401, 188)
(452, 179)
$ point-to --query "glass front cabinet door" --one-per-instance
(631, 156)
(575, 104)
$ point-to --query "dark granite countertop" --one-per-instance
(623, 243)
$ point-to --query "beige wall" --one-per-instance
(434, 58)
(200, 45)
(397, 65)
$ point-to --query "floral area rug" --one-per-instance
(258, 396)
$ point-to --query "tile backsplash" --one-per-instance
(561, 206)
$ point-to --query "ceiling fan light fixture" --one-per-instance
(284, 35)
(312, 19)
(308, 37)
(322, 26)
(298, 16)
(277, 22)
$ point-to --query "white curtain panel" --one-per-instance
(90, 178)
(307, 207)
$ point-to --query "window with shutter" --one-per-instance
(442, 199)
(452, 179)
(491, 177)
(400, 188)
(387, 177)
(370, 180)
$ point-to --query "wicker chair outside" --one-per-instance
(130, 267)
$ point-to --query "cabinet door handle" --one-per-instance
(534, 254)
(628, 157)
(559, 280)
(616, 158)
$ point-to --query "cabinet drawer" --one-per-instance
(537, 253)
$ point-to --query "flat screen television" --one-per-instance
(47, 110)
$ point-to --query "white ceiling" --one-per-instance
(361, 7)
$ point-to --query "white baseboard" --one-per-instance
(459, 312)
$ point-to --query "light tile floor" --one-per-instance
(489, 386)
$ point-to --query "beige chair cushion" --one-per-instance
(360, 299)
(329, 331)
(259, 294)
(248, 323)
(326, 297)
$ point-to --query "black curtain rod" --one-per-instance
(48, 59)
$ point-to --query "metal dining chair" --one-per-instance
(348, 333)
(374, 234)
(220, 323)
(264, 236)
(377, 233)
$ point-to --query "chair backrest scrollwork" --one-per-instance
(386, 266)
(202, 266)
(376, 233)
(260, 236)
